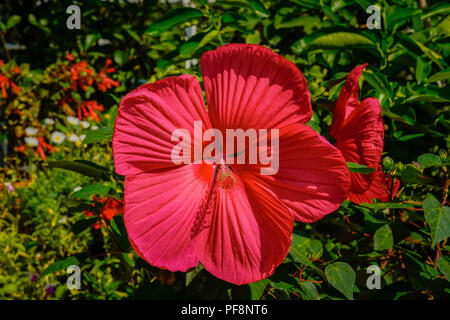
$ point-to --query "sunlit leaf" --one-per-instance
(438, 218)
(173, 18)
(342, 277)
(383, 238)
(76, 260)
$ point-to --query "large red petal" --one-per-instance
(348, 99)
(249, 234)
(147, 118)
(361, 141)
(161, 208)
(250, 86)
(313, 178)
(380, 188)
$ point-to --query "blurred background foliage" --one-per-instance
(61, 202)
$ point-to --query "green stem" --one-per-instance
(217, 25)
(2, 37)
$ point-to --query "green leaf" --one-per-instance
(80, 167)
(83, 224)
(342, 277)
(400, 16)
(423, 69)
(439, 76)
(281, 280)
(90, 40)
(304, 246)
(437, 218)
(128, 259)
(120, 57)
(257, 288)
(232, 17)
(76, 259)
(444, 26)
(331, 39)
(12, 21)
(426, 98)
(300, 255)
(380, 83)
(383, 238)
(309, 291)
(307, 22)
(173, 18)
(303, 249)
(197, 41)
(434, 56)
(437, 9)
(259, 9)
(444, 267)
(359, 168)
(408, 137)
(32, 19)
(133, 34)
(118, 227)
(411, 175)
(100, 135)
(385, 205)
(341, 40)
(406, 112)
(193, 273)
(115, 98)
(429, 160)
(32, 244)
(93, 164)
(90, 190)
(75, 205)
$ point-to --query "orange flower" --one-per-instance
(87, 109)
(110, 208)
(81, 75)
(104, 82)
(5, 83)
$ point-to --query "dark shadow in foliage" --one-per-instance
(155, 291)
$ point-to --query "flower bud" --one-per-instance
(388, 164)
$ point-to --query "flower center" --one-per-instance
(225, 179)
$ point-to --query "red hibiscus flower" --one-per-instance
(110, 208)
(235, 221)
(358, 129)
